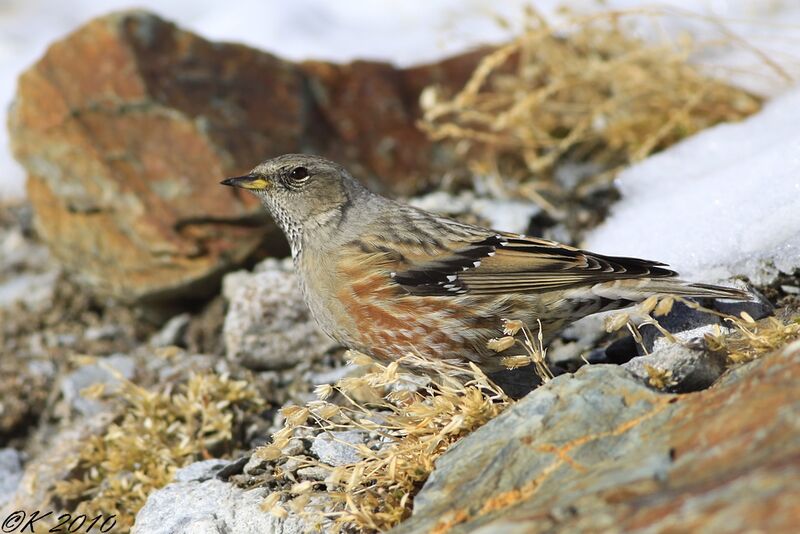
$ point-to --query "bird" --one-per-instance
(385, 278)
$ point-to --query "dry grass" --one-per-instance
(414, 424)
(156, 433)
(584, 91)
(516, 333)
(744, 339)
(753, 339)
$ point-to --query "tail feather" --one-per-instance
(720, 292)
(640, 289)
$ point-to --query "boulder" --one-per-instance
(127, 125)
(598, 451)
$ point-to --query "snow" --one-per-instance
(724, 202)
(406, 32)
(504, 215)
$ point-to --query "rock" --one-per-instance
(693, 338)
(619, 351)
(598, 451)
(516, 383)
(101, 372)
(173, 332)
(314, 473)
(758, 307)
(35, 290)
(126, 126)
(103, 332)
(28, 273)
(56, 460)
(293, 448)
(339, 448)
(200, 471)
(680, 319)
(198, 503)
(268, 325)
(686, 323)
(10, 474)
(678, 368)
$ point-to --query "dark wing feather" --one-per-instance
(508, 263)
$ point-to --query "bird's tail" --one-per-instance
(638, 290)
(684, 289)
(719, 292)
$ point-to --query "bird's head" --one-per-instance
(301, 191)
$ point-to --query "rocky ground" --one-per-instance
(612, 444)
(159, 364)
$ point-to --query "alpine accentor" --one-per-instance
(385, 278)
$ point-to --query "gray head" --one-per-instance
(302, 192)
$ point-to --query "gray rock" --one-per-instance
(198, 503)
(598, 451)
(10, 474)
(268, 325)
(58, 457)
(339, 448)
(178, 367)
(103, 332)
(28, 273)
(680, 319)
(520, 445)
(200, 471)
(294, 447)
(331, 376)
(173, 332)
(680, 368)
(35, 290)
(101, 372)
(314, 473)
(695, 337)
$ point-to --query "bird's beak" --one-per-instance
(246, 182)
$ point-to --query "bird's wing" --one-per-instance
(511, 263)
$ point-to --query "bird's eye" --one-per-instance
(299, 173)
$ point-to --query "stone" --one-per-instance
(10, 473)
(103, 332)
(675, 367)
(28, 273)
(200, 471)
(127, 125)
(102, 372)
(314, 473)
(173, 332)
(55, 462)
(693, 338)
(599, 451)
(687, 323)
(339, 447)
(268, 325)
(199, 503)
(681, 318)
